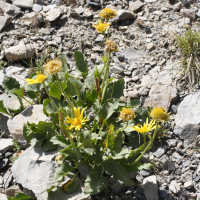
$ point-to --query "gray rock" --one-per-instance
(198, 13)
(5, 145)
(174, 187)
(33, 114)
(37, 7)
(3, 163)
(135, 6)
(187, 118)
(53, 14)
(183, 22)
(3, 125)
(150, 188)
(168, 165)
(10, 9)
(188, 13)
(4, 21)
(7, 178)
(3, 196)
(177, 6)
(34, 170)
(20, 51)
(125, 14)
(23, 3)
(161, 96)
(159, 152)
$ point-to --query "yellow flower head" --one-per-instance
(101, 27)
(40, 78)
(127, 114)
(107, 13)
(148, 126)
(159, 114)
(78, 121)
(53, 66)
(111, 46)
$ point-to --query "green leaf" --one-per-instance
(70, 90)
(21, 196)
(60, 140)
(81, 63)
(87, 142)
(10, 83)
(112, 108)
(90, 80)
(117, 170)
(95, 184)
(109, 142)
(19, 92)
(133, 139)
(139, 166)
(62, 171)
(3, 109)
(65, 65)
(133, 103)
(47, 145)
(55, 89)
(104, 59)
(92, 95)
(70, 186)
(119, 140)
(124, 153)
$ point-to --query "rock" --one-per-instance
(168, 165)
(174, 187)
(188, 13)
(20, 51)
(187, 118)
(159, 152)
(37, 7)
(10, 9)
(161, 96)
(53, 14)
(7, 178)
(34, 170)
(183, 22)
(150, 46)
(133, 94)
(5, 145)
(70, 2)
(3, 125)
(135, 6)
(188, 184)
(33, 114)
(3, 163)
(177, 6)
(3, 196)
(150, 188)
(125, 14)
(187, 176)
(23, 3)
(4, 21)
(147, 81)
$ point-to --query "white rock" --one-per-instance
(23, 3)
(147, 81)
(53, 14)
(188, 184)
(10, 9)
(20, 51)
(150, 188)
(174, 187)
(4, 21)
(33, 114)
(3, 197)
(5, 145)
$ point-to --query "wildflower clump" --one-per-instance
(78, 121)
(107, 13)
(111, 46)
(101, 27)
(127, 114)
(40, 78)
(159, 114)
(53, 66)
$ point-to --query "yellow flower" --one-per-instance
(40, 78)
(146, 127)
(127, 114)
(78, 121)
(107, 13)
(101, 27)
(53, 66)
(111, 46)
(159, 114)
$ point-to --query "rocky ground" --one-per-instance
(147, 59)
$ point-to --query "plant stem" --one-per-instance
(121, 129)
(146, 149)
(72, 142)
(65, 95)
(27, 101)
(50, 98)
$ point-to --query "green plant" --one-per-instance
(189, 44)
(16, 146)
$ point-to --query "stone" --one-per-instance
(70, 2)
(133, 94)
(53, 14)
(5, 145)
(7, 178)
(168, 165)
(3, 197)
(10, 9)
(174, 187)
(187, 118)
(188, 13)
(159, 152)
(4, 21)
(135, 6)
(161, 96)
(147, 81)
(187, 176)
(3, 125)
(34, 170)
(20, 51)
(33, 114)
(23, 3)
(150, 46)
(183, 22)
(188, 184)
(3, 163)
(150, 188)
(125, 14)
(37, 7)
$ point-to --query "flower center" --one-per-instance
(76, 122)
